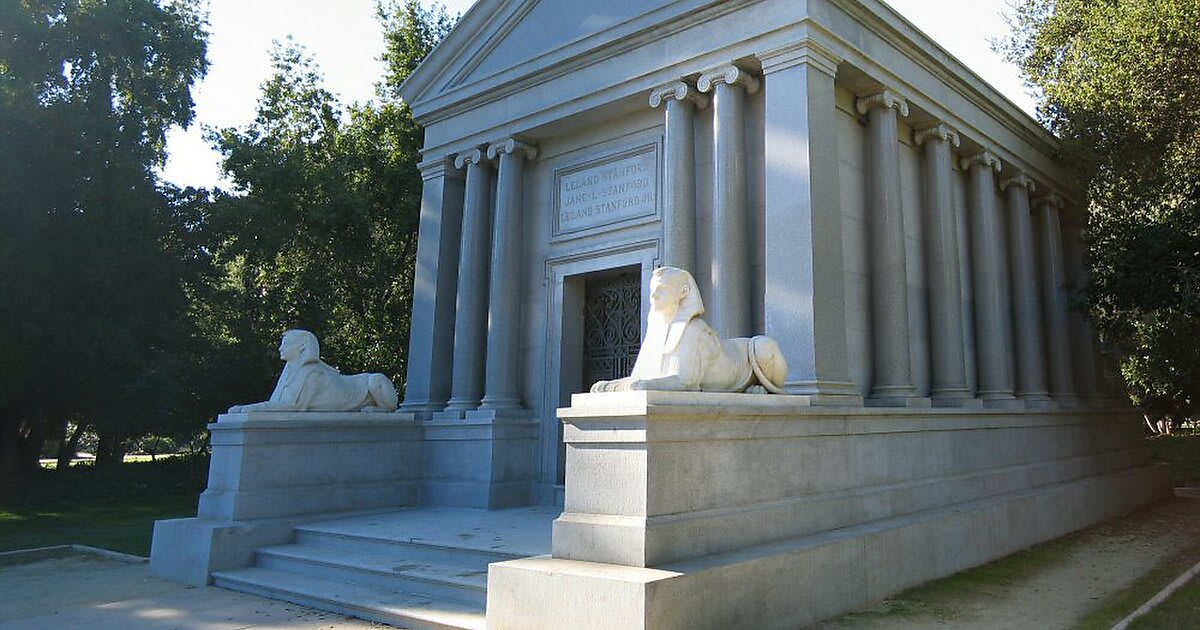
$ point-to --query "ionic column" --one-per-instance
(470, 321)
(679, 194)
(730, 265)
(804, 300)
(431, 337)
(942, 268)
(993, 313)
(503, 372)
(892, 363)
(1054, 301)
(1027, 299)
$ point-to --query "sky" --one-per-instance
(346, 41)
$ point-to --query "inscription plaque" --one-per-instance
(614, 189)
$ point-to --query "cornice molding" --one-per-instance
(729, 75)
(679, 91)
(512, 146)
(940, 131)
(886, 99)
(985, 158)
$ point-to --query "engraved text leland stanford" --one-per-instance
(609, 191)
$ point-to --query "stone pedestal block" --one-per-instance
(273, 470)
(281, 464)
(693, 510)
(483, 460)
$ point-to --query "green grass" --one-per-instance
(112, 509)
(1181, 611)
(1182, 452)
(117, 524)
(943, 599)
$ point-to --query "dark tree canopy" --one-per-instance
(93, 307)
(1121, 79)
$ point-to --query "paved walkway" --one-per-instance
(85, 591)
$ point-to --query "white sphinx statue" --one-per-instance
(681, 352)
(309, 384)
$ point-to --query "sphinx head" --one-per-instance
(299, 345)
(674, 294)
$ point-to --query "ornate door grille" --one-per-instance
(612, 328)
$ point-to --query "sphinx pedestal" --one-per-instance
(273, 470)
(687, 510)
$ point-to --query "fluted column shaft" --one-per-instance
(431, 338)
(730, 264)
(470, 321)
(1054, 300)
(1027, 298)
(804, 299)
(942, 268)
(502, 389)
(679, 194)
(892, 363)
(993, 314)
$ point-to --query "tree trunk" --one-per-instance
(109, 452)
(69, 447)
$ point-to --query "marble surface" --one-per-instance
(309, 384)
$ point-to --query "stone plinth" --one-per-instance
(481, 460)
(272, 470)
(725, 510)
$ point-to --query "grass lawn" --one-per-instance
(1181, 611)
(112, 509)
(117, 524)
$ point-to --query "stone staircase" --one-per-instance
(424, 568)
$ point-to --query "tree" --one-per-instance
(93, 304)
(1119, 79)
(320, 229)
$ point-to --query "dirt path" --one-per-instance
(1071, 578)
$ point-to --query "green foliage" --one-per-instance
(320, 231)
(90, 267)
(1119, 79)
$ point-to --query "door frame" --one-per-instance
(564, 340)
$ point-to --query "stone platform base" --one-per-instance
(737, 511)
(793, 583)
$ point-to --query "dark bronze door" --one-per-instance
(612, 327)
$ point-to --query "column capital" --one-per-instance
(1051, 199)
(985, 158)
(679, 91)
(884, 99)
(474, 156)
(1021, 179)
(940, 131)
(730, 75)
(805, 51)
(512, 146)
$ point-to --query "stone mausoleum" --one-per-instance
(833, 179)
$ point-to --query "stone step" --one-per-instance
(466, 584)
(372, 603)
(463, 555)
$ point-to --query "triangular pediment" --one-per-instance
(544, 25)
(498, 35)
